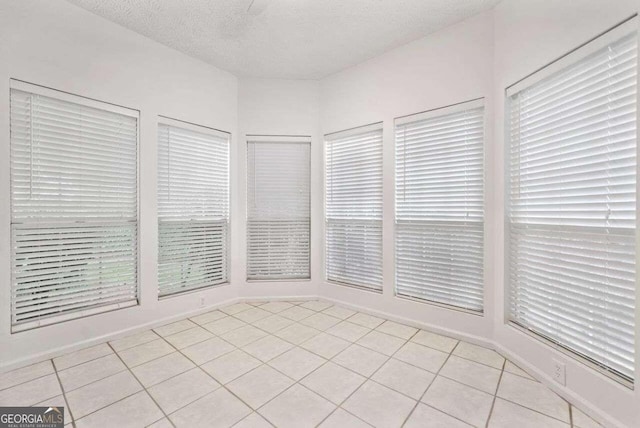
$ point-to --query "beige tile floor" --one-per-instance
(289, 364)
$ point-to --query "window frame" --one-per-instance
(36, 89)
(582, 51)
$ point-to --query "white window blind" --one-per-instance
(73, 206)
(572, 219)
(193, 207)
(278, 211)
(353, 204)
(440, 206)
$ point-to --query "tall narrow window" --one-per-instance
(278, 212)
(572, 217)
(193, 207)
(353, 204)
(440, 206)
(74, 208)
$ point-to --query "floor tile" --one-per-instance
(343, 419)
(208, 350)
(142, 353)
(461, 401)
(175, 327)
(208, 317)
(381, 342)
(31, 392)
(275, 307)
(223, 325)
(348, 331)
(244, 335)
(509, 415)
(134, 411)
(333, 382)
(360, 360)
(404, 378)
(296, 313)
(57, 401)
(218, 409)
(267, 348)
(189, 337)
(396, 329)
(91, 371)
(133, 340)
(582, 420)
(161, 369)
(421, 356)
(273, 323)
(471, 373)
(533, 395)
(259, 386)
(297, 407)
(513, 369)
(435, 341)
(320, 321)
(339, 312)
(379, 405)
(82, 356)
(366, 320)
(479, 354)
(325, 345)
(25, 374)
(183, 389)
(297, 333)
(102, 393)
(427, 417)
(254, 420)
(297, 363)
(316, 305)
(237, 308)
(231, 366)
(252, 315)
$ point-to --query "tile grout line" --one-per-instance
(495, 395)
(64, 394)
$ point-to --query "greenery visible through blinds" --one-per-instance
(572, 221)
(440, 206)
(278, 211)
(73, 208)
(193, 207)
(354, 207)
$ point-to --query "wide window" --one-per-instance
(440, 206)
(278, 211)
(73, 206)
(193, 207)
(353, 204)
(572, 216)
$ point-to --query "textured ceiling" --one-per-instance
(297, 39)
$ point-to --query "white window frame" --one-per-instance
(36, 89)
(292, 139)
(577, 54)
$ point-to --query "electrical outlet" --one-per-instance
(202, 302)
(559, 372)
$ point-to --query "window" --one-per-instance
(353, 203)
(572, 219)
(193, 207)
(278, 211)
(440, 206)
(74, 215)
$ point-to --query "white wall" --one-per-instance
(279, 107)
(55, 44)
(448, 67)
(528, 35)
